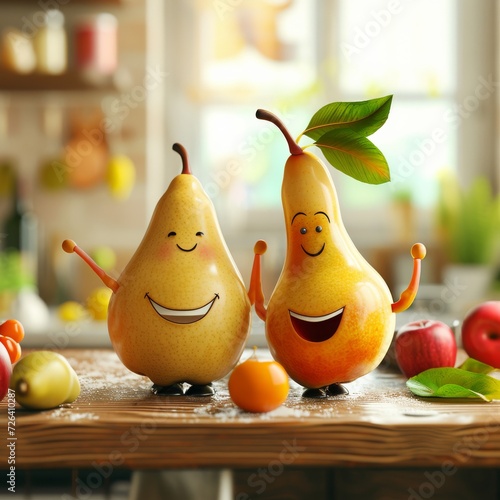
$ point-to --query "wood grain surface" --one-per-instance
(118, 421)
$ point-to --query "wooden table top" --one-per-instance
(117, 421)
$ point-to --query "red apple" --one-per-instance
(5, 371)
(481, 333)
(424, 344)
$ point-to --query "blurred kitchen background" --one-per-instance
(94, 93)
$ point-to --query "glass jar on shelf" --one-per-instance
(51, 44)
(96, 45)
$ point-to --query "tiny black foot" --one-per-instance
(336, 390)
(201, 390)
(168, 390)
(314, 393)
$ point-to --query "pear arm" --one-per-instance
(70, 246)
(406, 299)
(255, 293)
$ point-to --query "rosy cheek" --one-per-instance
(165, 251)
(206, 252)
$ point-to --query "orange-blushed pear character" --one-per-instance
(330, 318)
(179, 312)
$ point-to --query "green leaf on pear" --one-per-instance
(454, 383)
(355, 155)
(364, 117)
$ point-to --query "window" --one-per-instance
(406, 49)
(251, 56)
(292, 57)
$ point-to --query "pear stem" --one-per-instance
(253, 357)
(179, 148)
(294, 148)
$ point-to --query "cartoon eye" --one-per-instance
(172, 233)
(199, 233)
(303, 230)
(319, 229)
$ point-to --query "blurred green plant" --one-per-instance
(468, 220)
(13, 274)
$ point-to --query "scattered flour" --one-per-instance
(69, 414)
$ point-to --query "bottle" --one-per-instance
(20, 260)
(51, 44)
(20, 236)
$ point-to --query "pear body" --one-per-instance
(329, 319)
(181, 312)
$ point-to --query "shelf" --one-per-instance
(71, 80)
(74, 2)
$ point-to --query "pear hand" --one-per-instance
(406, 299)
(69, 246)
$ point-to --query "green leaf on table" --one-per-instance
(355, 155)
(454, 383)
(473, 365)
(364, 117)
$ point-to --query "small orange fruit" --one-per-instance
(258, 386)
(12, 347)
(13, 329)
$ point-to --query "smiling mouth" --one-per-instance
(187, 249)
(182, 316)
(313, 254)
(316, 328)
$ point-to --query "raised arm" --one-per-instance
(69, 246)
(255, 293)
(406, 299)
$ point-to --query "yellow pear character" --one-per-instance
(330, 318)
(179, 312)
